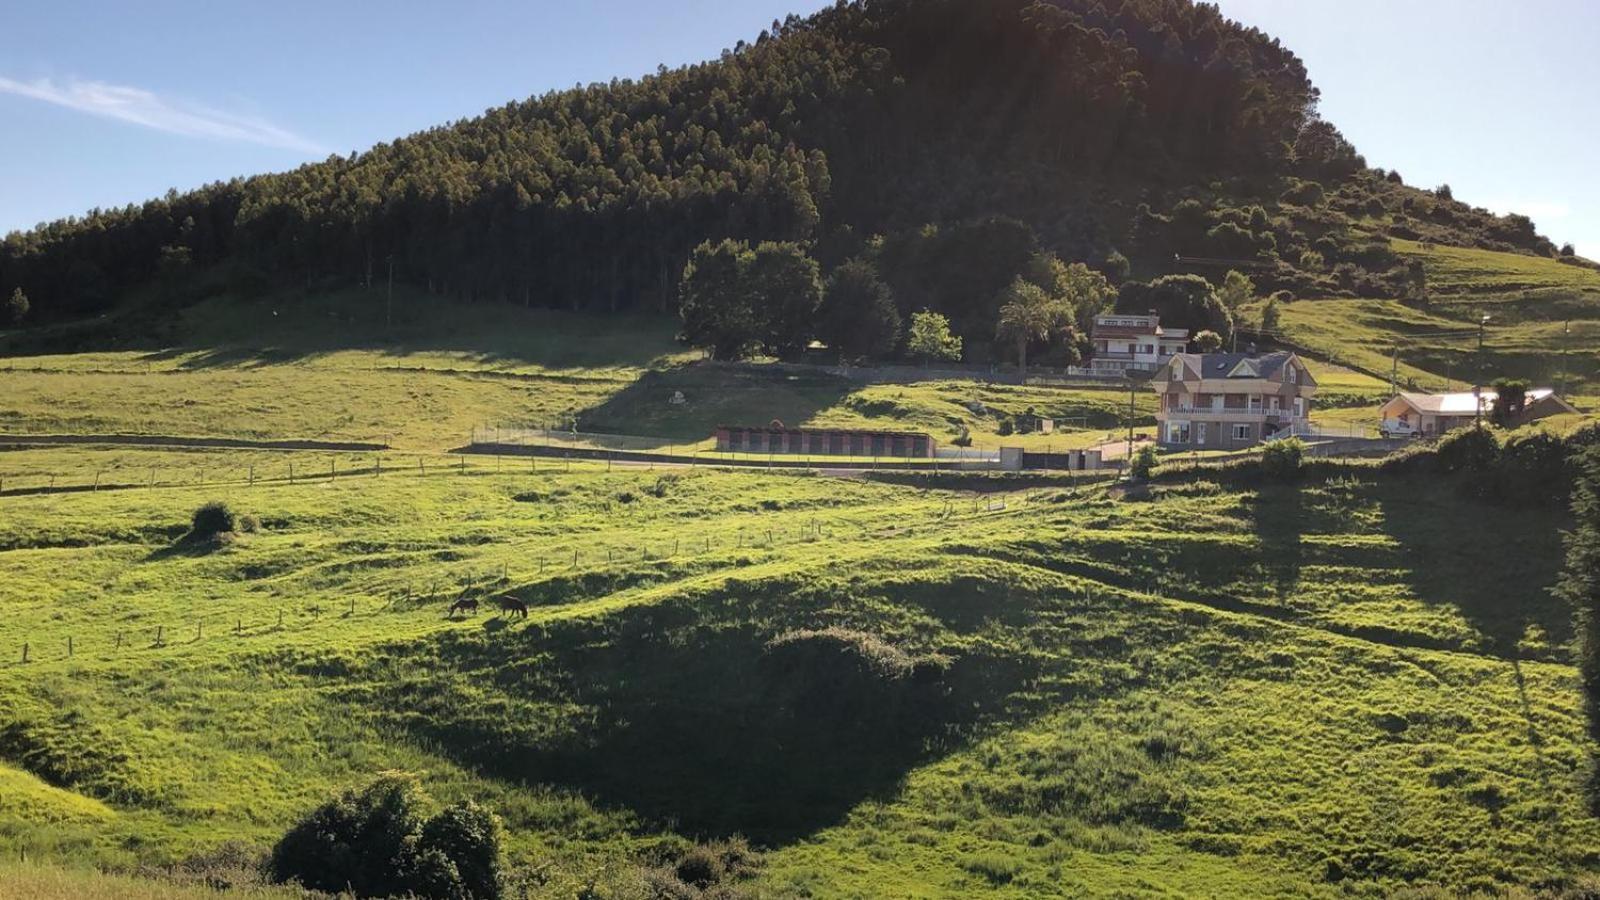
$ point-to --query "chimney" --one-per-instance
(1252, 350)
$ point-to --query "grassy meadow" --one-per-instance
(1242, 692)
(890, 685)
(1544, 324)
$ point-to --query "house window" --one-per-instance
(1299, 407)
(1292, 374)
(1177, 432)
(1200, 433)
(1243, 432)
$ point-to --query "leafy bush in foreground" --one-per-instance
(1280, 460)
(212, 520)
(375, 843)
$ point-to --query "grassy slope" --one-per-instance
(1530, 300)
(1222, 692)
(1227, 693)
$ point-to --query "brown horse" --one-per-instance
(512, 606)
(463, 604)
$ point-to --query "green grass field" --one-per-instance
(1544, 324)
(893, 685)
(1230, 692)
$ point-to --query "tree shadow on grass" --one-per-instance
(1279, 522)
(700, 727)
(713, 395)
(1494, 563)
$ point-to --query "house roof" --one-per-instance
(1241, 365)
(1461, 403)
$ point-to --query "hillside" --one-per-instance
(1237, 691)
(1230, 689)
(783, 682)
(895, 131)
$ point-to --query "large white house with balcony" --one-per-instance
(1224, 401)
(1124, 343)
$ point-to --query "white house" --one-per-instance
(1124, 343)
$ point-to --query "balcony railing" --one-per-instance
(1241, 411)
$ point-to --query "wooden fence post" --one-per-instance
(69, 645)
(24, 651)
(158, 635)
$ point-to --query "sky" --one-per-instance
(110, 103)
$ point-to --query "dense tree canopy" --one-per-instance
(963, 132)
(859, 319)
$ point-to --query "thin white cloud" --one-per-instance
(141, 107)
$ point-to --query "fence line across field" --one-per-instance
(540, 569)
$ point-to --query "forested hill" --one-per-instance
(1142, 130)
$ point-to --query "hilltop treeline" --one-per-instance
(1089, 121)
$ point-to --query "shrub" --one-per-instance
(464, 839)
(249, 523)
(375, 843)
(1005, 427)
(1532, 468)
(1280, 460)
(1144, 462)
(1303, 193)
(212, 520)
(1467, 449)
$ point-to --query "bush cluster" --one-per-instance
(1524, 467)
(374, 842)
(212, 520)
(1280, 460)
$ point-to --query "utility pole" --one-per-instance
(1132, 388)
(1394, 370)
(1561, 376)
(1477, 383)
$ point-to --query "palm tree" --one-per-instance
(1028, 314)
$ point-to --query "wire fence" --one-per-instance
(490, 437)
(542, 578)
(296, 468)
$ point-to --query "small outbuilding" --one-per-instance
(1409, 414)
(776, 438)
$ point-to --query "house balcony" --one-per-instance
(1226, 413)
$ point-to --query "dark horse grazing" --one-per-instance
(464, 604)
(512, 606)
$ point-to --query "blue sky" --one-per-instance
(107, 103)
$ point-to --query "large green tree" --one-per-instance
(1182, 301)
(17, 307)
(786, 289)
(929, 338)
(718, 308)
(858, 318)
(1028, 313)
